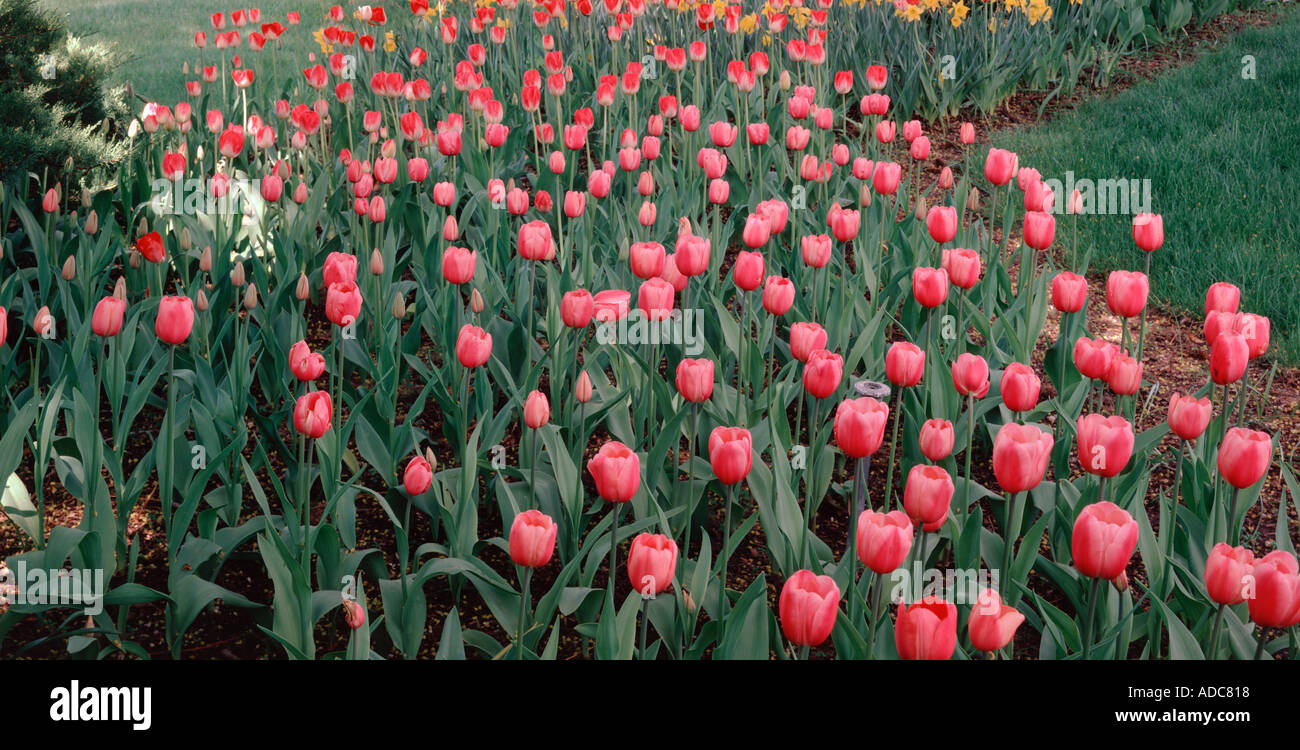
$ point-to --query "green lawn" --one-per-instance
(1223, 157)
(157, 38)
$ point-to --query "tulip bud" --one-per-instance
(864, 195)
(142, 228)
(237, 276)
(476, 302)
(185, 241)
(303, 289)
(582, 389)
(399, 306)
(250, 297)
(376, 262)
(69, 271)
(1120, 582)
(92, 222)
(921, 209)
(201, 301)
(134, 259)
(784, 80)
(690, 601)
(87, 198)
(432, 459)
(205, 260)
(119, 289)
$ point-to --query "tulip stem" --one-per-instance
(525, 593)
(877, 583)
(690, 477)
(1214, 633)
(1234, 528)
(970, 442)
(1259, 648)
(893, 448)
(726, 546)
(532, 480)
(1087, 624)
(613, 548)
(1010, 529)
(1142, 321)
(645, 621)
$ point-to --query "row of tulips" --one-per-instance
(435, 326)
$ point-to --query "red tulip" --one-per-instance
(1126, 293)
(886, 177)
(970, 375)
(692, 254)
(312, 414)
(1189, 416)
(537, 410)
(941, 221)
(930, 286)
(695, 379)
(963, 267)
(1149, 231)
(1020, 455)
(535, 240)
(532, 539)
(175, 319)
(1019, 387)
(756, 232)
(576, 308)
(884, 539)
(806, 338)
(904, 364)
(731, 453)
(1228, 357)
(778, 295)
(1229, 574)
(458, 264)
(992, 624)
(1124, 376)
(1092, 357)
(1244, 456)
(651, 563)
(655, 298)
(305, 364)
(107, 319)
(646, 259)
(1103, 540)
(927, 495)
(926, 630)
(816, 250)
(936, 439)
(748, 270)
(860, 426)
(151, 247)
(611, 305)
(1105, 445)
(1222, 297)
(999, 166)
(822, 373)
(340, 268)
(418, 476)
(1276, 603)
(342, 303)
(1039, 229)
(1069, 292)
(616, 470)
(808, 607)
(473, 346)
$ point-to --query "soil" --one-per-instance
(1175, 358)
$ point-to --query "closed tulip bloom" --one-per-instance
(778, 295)
(1126, 293)
(305, 364)
(926, 630)
(107, 319)
(692, 255)
(808, 607)
(1229, 573)
(1039, 229)
(1124, 376)
(473, 346)
(941, 221)
(1149, 231)
(1218, 322)
(963, 267)
(537, 410)
(151, 247)
(822, 373)
(651, 563)
(936, 439)
(655, 298)
(845, 224)
(806, 338)
(577, 308)
(532, 539)
(418, 476)
(930, 286)
(970, 375)
(1255, 329)
(999, 166)
(646, 259)
(1189, 416)
(756, 232)
(904, 364)
(1105, 445)
(340, 268)
(884, 540)
(927, 496)
(992, 624)
(616, 470)
(175, 319)
(695, 379)
(815, 249)
(1103, 540)
(458, 264)
(1244, 456)
(1228, 357)
(1276, 603)
(1020, 387)
(886, 177)
(582, 388)
(43, 323)
(748, 270)
(1092, 357)
(1222, 297)
(535, 240)
(312, 414)
(1069, 292)
(342, 303)
(1020, 455)
(611, 304)
(731, 453)
(860, 426)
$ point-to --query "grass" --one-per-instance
(1223, 156)
(156, 39)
